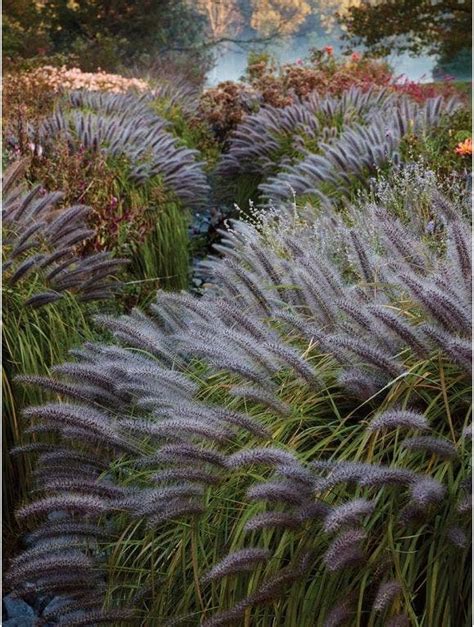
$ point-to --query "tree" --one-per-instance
(327, 12)
(223, 17)
(21, 29)
(282, 17)
(145, 26)
(441, 27)
(125, 30)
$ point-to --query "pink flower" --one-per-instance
(299, 62)
(356, 57)
(328, 50)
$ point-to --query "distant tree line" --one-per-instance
(159, 34)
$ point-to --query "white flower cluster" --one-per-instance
(61, 78)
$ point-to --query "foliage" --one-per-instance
(324, 73)
(347, 160)
(102, 35)
(438, 148)
(225, 106)
(22, 33)
(32, 94)
(24, 100)
(126, 126)
(324, 147)
(41, 240)
(279, 16)
(178, 105)
(290, 448)
(420, 92)
(62, 79)
(414, 25)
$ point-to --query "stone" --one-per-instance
(20, 621)
(54, 604)
(17, 608)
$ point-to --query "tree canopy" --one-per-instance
(124, 29)
(440, 27)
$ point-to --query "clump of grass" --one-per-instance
(113, 152)
(49, 290)
(327, 148)
(240, 434)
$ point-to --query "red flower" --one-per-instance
(328, 50)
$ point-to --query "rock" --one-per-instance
(17, 608)
(20, 621)
(40, 602)
(54, 604)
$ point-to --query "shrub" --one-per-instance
(225, 106)
(326, 75)
(420, 92)
(297, 436)
(63, 79)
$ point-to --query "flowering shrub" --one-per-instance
(225, 106)
(420, 92)
(63, 79)
(328, 75)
